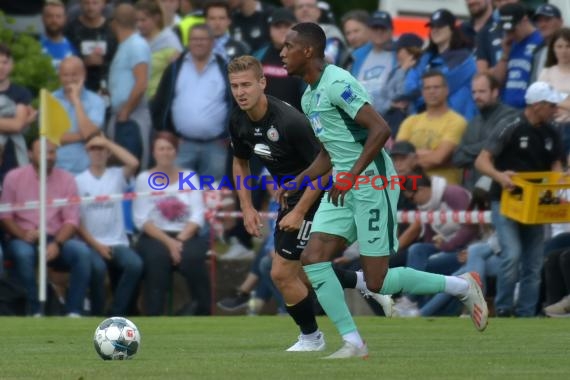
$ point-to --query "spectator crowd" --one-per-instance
(145, 86)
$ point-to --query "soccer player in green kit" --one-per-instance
(353, 135)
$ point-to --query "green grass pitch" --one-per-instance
(253, 348)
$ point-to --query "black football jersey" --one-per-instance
(283, 139)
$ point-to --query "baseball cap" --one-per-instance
(547, 10)
(442, 17)
(510, 15)
(381, 19)
(543, 92)
(409, 40)
(402, 148)
(282, 15)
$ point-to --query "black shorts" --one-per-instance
(290, 245)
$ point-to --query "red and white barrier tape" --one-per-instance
(213, 199)
(210, 196)
(463, 217)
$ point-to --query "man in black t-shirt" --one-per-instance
(282, 138)
(217, 14)
(480, 12)
(91, 36)
(249, 23)
(528, 143)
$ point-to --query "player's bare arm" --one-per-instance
(293, 220)
(251, 218)
(378, 134)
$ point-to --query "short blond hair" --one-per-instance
(245, 63)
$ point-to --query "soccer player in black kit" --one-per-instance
(283, 139)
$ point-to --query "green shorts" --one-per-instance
(368, 216)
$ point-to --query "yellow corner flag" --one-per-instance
(54, 120)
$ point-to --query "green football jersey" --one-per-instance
(331, 104)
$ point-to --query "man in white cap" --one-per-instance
(526, 143)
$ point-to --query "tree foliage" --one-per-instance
(32, 68)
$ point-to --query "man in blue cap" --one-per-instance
(548, 20)
(520, 43)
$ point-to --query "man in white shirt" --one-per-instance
(103, 228)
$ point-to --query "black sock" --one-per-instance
(304, 315)
(347, 278)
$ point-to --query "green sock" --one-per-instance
(412, 281)
(330, 295)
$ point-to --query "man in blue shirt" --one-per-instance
(520, 42)
(194, 101)
(128, 80)
(86, 110)
(53, 41)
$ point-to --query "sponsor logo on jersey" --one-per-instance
(262, 150)
(348, 95)
(316, 123)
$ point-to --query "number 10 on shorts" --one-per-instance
(305, 230)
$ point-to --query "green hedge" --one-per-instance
(32, 68)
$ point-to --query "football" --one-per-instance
(117, 338)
